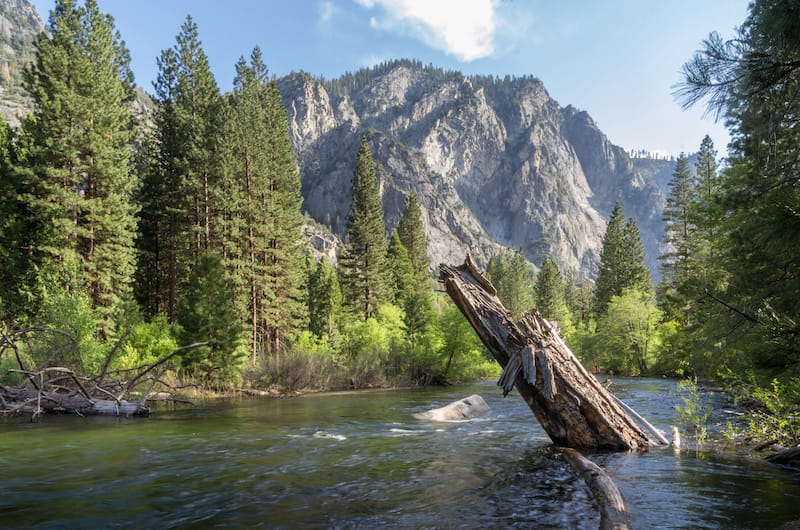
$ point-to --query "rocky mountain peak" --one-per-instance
(494, 162)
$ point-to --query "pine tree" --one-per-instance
(622, 261)
(259, 219)
(753, 80)
(366, 280)
(608, 281)
(11, 225)
(412, 234)
(679, 236)
(509, 273)
(177, 193)
(324, 299)
(81, 194)
(402, 270)
(549, 296)
(636, 274)
(706, 215)
(418, 303)
(207, 315)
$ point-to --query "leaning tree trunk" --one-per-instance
(574, 409)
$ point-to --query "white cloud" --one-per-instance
(327, 10)
(463, 28)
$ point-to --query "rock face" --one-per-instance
(19, 27)
(494, 162)
(463, 409)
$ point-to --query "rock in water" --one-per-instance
(463, 409)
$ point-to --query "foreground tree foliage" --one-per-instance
(749, 213)
(180, 179)
(79, 192)
(753, 80)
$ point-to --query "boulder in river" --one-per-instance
(463, 409)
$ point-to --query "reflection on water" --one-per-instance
(362, 460)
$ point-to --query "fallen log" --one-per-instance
(785, 457)
(59, 389)
(50, 402)
(613, 511)
(574, 409)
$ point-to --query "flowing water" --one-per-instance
(362, 460)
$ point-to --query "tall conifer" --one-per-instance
(11, 225)
(324, 299)
(402, 270)
(259, 219)
(549, 291)
(622, 263)
(366, 276)
(677, 263)
(82, 191)
(176, 196)
(412, 234)
(509, 273)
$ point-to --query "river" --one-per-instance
(362, 460)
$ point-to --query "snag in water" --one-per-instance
(570, 403)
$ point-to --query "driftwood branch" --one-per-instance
(133, 382)
(52, 388)
(786, 457)
(110, 355)
(574, 409)
(613, 511)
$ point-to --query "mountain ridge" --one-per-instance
(494, 162)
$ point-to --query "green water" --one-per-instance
(362, 460)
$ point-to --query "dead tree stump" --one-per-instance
(574, 409)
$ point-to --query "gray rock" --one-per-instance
(463, 409)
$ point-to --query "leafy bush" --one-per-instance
(148, 342)
(310, 364)
(461, 354)
(693, 413)
(627, 334)
(780, 419)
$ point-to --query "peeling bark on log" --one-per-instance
(31, 402)
(574, 409)
(786, 457)
(613, 511)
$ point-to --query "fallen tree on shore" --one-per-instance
(53, 387)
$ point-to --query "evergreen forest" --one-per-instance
(131, 240)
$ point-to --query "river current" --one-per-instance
(362, 460)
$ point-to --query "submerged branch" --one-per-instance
(613, 511)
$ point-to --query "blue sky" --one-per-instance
(616, 59)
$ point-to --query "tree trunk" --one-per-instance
(613, 511)
(52, 402)
(574, 409)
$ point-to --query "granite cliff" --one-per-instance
(494, 162)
